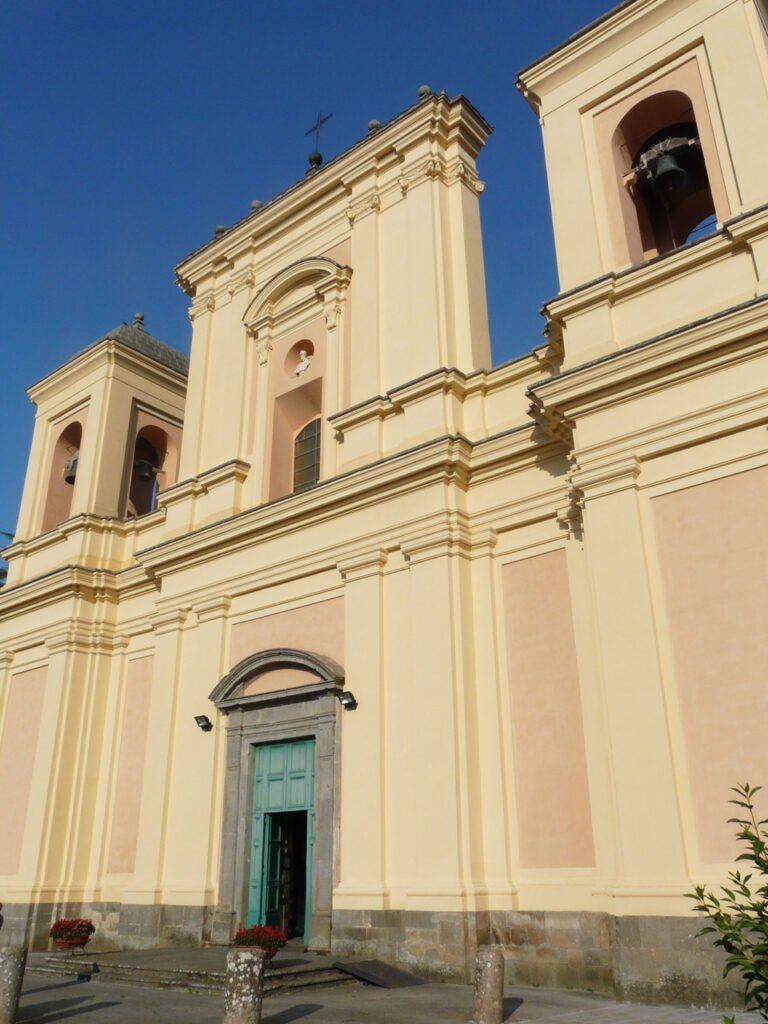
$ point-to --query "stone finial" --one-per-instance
(489, 986)
(244, 986)
(374, 125)
(13, 959)
(424, 91)
(315, 161)
(138, 320)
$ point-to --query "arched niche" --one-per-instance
(63, 473)
(304, 708)
(293, 322)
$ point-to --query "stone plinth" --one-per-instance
(243, 986)
(489, 986)
(12, 962)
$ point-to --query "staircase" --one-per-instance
(137, 968)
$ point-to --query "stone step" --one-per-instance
(276, 978)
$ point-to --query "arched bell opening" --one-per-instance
(63, 475)
(664, 170)
(149, 456)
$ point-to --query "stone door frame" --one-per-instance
(302, 712)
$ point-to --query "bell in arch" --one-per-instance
(668, 175)
(70, 468)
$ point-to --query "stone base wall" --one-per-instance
(638, 959)
(118, 925)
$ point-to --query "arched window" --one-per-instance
(306, 456)
(666, 173)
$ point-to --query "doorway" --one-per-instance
(285, 872)
(282, 836)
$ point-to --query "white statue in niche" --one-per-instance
(303, 363)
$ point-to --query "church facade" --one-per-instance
(340, 628)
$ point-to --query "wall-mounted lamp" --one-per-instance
(347, 700)
(204, 722)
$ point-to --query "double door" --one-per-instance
(282, 836)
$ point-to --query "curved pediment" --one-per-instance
(316, 275)
(275, 671)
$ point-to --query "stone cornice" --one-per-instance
(236, 470)
(436, 117)
(70, 582)
(615, 286)
(445, 380)
(585, 49)
(85, 638)
(444, 459)
(681, 354)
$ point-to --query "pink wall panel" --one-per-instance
(318, 628)
(130, 767)
(554, 815)
(713, 550)
(21, 730)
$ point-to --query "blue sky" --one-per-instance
(130, 129)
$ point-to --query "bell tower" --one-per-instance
(106, 440)
(655, 159)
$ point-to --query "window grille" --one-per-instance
(306, 457)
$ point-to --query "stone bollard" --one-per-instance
(489, 986)
(243, 986)
(12, 962)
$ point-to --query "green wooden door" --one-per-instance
(283, 780)
(273, 869)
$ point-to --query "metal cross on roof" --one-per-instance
(317, 126)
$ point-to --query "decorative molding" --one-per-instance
(228, 693)
(271, 308)
(447, 172)
(241, 281)
(203, 304)
(600, 480)
(360, 566)
(370, 203)
(168, 620)
(209, 609)
(263, 348)
(570, 515)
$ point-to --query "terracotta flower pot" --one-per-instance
(269, 954)
(73, 942)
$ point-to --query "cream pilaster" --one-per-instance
(146, 886)
(362, 855)
(489, 785)
(644, 785)
(194, 804)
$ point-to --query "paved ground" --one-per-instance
(48, 999)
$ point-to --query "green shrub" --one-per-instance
(739, 914)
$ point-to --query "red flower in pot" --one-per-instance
(262, 935)
(71, 932)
